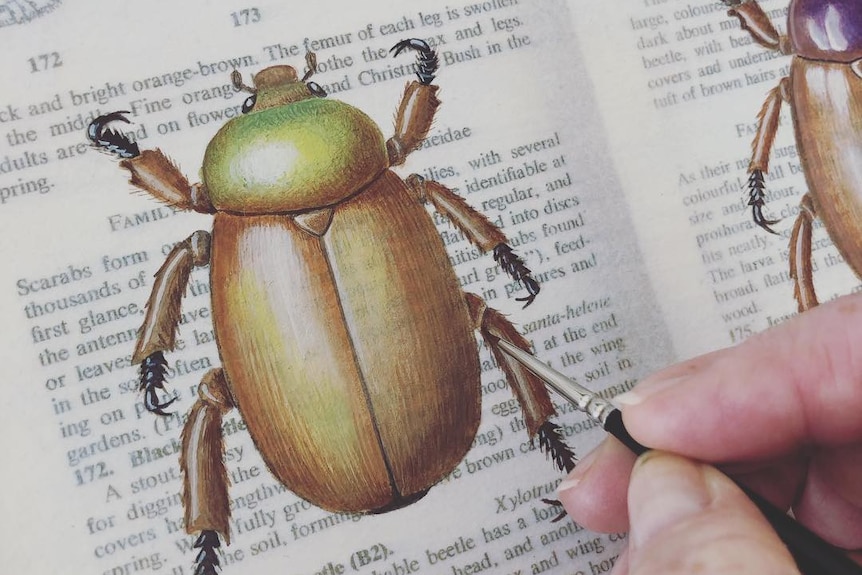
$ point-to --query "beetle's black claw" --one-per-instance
(207, 561)
(110, 140)
(556, 503)
(153, 370)
(757, 200)
(532, 288)
(427, 58)
(514, 266)
(760, 220)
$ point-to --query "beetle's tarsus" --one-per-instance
(153, 370)
(552, 444)
(206, 563)
(556, 503)
(427, 58)
(110, 140)
(757, 200)
(515, 267)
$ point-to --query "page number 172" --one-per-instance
(44, 62)
(245, 16)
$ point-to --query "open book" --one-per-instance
(609, 141)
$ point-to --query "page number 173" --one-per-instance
(245, 16)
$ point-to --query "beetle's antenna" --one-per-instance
(238, 84)
(311, 62)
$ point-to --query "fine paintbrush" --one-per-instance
(812, 554)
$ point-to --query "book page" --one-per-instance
(528, 133)
(680, 86)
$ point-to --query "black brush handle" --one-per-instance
(813, 555)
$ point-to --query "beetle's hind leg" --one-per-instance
(205, 483)
(158, 333)
(530, 391)
(800, 256)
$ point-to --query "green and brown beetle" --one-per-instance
(346, 342)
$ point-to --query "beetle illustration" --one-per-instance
(345, 340)
(824, 90)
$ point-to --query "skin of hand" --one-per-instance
(780, 412)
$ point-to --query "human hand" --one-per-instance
(782, 413)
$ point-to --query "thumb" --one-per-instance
(688, 517)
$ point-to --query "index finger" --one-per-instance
(797, 384)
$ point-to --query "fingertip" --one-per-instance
(594, 493)
(688, 517)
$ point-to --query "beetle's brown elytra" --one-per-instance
(346, 342)
(824, 90)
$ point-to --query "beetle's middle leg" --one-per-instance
(205, 483)
(477, 228)
(158, 333)
(530, 391)
(800, 256)
(767, 126)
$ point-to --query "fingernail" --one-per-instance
(665, 489)
(577, 474)
(646, 388)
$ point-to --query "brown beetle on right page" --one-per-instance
(824, 90)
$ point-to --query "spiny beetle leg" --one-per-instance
(555, 503)
(153, 370)
(427, 58)
(757, 199)
(207, 561)
(110, 140)
(515, 267)
(551, 442)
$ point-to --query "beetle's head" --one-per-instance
(291, 150)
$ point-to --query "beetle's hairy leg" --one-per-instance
(530, 391)
(754, 20)
(156, 174)
(158, 332)
(418, 104)
(477, 228)
(151, 170)
(800, 256)
(205, 483)
(761, 147)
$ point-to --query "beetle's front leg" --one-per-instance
(205, 483)
(477, 228)
(800, 256)
(767, 126)
(418, 104)
(158, 333)
(530, 391)
(753, 19)
(151, 170)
